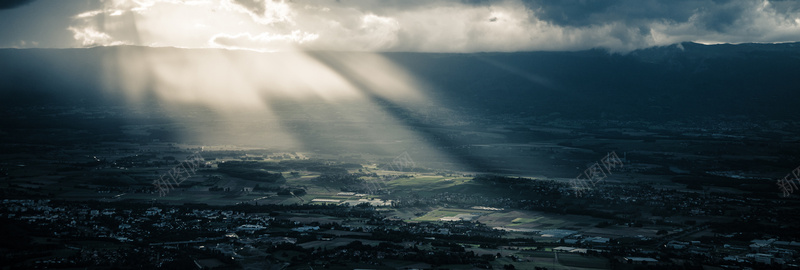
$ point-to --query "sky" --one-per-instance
(396, 25)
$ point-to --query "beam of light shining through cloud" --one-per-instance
(244, 94)
(270, 99)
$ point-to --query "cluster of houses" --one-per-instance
(231, 228)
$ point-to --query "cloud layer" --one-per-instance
(434, 26)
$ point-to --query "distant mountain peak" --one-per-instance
(693, 50)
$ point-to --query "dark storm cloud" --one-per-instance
(719, 18)
(588, 12)
(8, 4)
(713, 15)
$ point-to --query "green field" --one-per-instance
(435, 215)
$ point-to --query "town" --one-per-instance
(674, 229)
